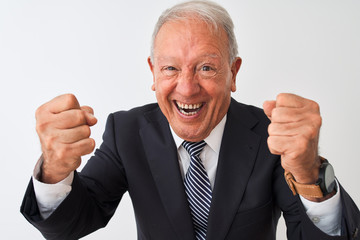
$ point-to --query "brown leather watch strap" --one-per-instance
(305, 190)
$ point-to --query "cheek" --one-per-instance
(220, 92)
(163, 90)
(220, 87)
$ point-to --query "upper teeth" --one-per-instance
(188, 106)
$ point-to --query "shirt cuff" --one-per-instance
(49, 196)
(325, 215)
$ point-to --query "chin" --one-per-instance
(193, 136)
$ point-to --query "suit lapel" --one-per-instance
(163, 161)
(236, 160)
(237, 156)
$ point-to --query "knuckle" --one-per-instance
(271, 145)
(310, 131)
(80, 116)
(49, 142)
(85, 146)
(70, 99)
(61, 153)
(41, 127)
(87, 109)
(270, 141)
(39, 111)
(280, 98)
(275, 114)
(90, 145)
(313, 132)
(317, 121)
(271, 129)
(315, 106)
(86, 130)
(42, 112)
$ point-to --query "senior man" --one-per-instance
(197, 164)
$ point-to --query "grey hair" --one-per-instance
(211, 13)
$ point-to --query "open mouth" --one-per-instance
(189, 109)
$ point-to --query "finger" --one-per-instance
(87, 109)
(278, 144)
(289, 100)
(70, 119)
(284, 129)
(286, 115)
(268, 106)
(62, 103)
(290, 146)
(74, 134)
(76, 149)
(82, 147)
(90, 118)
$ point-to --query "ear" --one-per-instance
(152, 71)
(234, 70)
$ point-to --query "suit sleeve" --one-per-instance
(95, 194)
(299, 225)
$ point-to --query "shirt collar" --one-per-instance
(213, 140)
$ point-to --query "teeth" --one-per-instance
(188, 113)
(183, 106)
(188, 106)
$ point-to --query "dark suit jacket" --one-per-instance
(138, 155)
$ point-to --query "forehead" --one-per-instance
(191, 35)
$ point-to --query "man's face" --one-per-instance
(193, 78)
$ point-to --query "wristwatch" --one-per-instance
(323, 186)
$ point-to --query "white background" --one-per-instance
(98, 49)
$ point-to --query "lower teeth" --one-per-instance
(188, 113)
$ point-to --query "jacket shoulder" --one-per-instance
(248, 115)
(138, 115)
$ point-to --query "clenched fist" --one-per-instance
(294, 134)
(64, 131)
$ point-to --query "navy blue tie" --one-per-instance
(197, 188)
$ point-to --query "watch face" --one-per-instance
(329, 178)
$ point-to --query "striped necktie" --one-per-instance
(197, 188)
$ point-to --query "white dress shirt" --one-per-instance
(49, 196)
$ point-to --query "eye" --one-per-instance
(206, 68)
(170, 68)
(169, 71)
(207, 71)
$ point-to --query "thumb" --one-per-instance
(90, 118)
(268, 106)
(87, 109)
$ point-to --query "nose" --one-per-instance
(188, 84)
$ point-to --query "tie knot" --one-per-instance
(194, 148)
